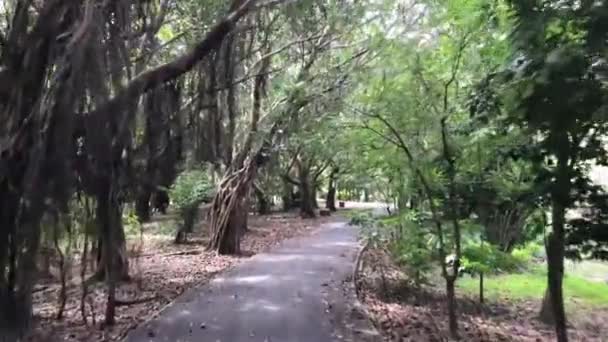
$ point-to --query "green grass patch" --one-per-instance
(532, 285)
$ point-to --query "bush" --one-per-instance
(411, 248)
(533, 251)
(487, 258)
(361, 219)
(191, 188)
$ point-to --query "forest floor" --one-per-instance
(160, 272)
(404, 313)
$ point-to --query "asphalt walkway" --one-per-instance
(300, 292)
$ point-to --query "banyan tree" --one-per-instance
(69, 91)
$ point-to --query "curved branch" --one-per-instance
(179, 66)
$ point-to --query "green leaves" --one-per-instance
(485, 258)
(191, 188)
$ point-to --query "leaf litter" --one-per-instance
(160, 271)
(403, 312)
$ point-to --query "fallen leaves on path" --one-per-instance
(403, 313)
(160, 273)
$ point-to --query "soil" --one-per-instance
(160, 271)
(403, 312)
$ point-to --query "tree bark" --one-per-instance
(451, 297)
(330, 202)
(287, 196)
(228, 210)
(142, 205)
(546, 309)
(113, 245)
(189, 215)
(307, 208)
(263, 205)
(315, 203)
(556, 241)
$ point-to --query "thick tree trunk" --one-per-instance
(161, 201)
(555, 265)
(229, 208)
(451, 301)
(19, 245)
(142, 205)
(307, 208)
(546, 309)
(330, 201)
(228, 241)
(16, 296)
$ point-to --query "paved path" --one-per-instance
(300, 292)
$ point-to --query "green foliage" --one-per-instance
(363, 219)
(130, 222)
(487, 259)
(413, 248)
(530, 252)
(191, 188)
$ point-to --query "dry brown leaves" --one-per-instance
(403, 313)
(161, 272)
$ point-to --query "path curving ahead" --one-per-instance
(300, 292)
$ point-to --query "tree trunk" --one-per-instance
(287, 196)
(263, 205)
(109, 223)
(556, 241)
(16, 296)
(330, 201)
(20, 244)
(227, 240)
(546, 309)
(555, 265)
(142, 205)
(451, 297)
(189, 216)
(229, 211)
(114, 264)
(307, 209)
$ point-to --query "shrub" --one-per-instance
(529, 253)
(411, 248)
(486, 258)
(191, 188)
(361, 219)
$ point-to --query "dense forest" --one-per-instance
(478, 122)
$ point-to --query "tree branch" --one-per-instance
(174, 69)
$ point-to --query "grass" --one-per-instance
(589, 269)
(532, 284)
